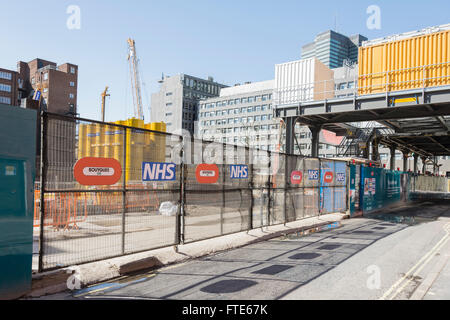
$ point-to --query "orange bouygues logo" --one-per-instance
(207, 173)
(328, 177)
(296, 177)
(97, 171)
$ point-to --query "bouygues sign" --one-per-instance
(296, 177)
(97, 171)
(207, 173)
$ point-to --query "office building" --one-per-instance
(333, 48)
(243, 115)
(176, 103)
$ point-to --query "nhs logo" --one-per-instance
(238, 172)
(158, 171)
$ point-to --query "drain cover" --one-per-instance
(272, 270)
(330, 247)
(305, 256)
(228, 286)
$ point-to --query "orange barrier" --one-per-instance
(65, 210)
(61, 210)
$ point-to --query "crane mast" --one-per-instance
(135, 80)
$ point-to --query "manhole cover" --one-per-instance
(329, 247)
(228, 286)
(305, 256)
(272, 270)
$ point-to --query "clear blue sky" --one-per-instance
(234, 40)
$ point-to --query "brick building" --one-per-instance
(9, 87)
(58, 84)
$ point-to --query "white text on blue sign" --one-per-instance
(340, 177)
(313, 174)
(158, 171)
(238, 171)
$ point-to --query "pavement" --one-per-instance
(371, 258)
(80, 276)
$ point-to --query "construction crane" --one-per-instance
(135, 79)
(104, 95)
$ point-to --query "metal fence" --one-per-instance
(212, 189)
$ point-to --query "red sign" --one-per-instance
(207, 173)
(296, 177)
(328, 177)
(97, 171)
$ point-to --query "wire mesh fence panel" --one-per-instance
(261, 183)
(79, 228)
(277, 190)
(295, 181)
(148, 226)
(237, 195)
(204, 190)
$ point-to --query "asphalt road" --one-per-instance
(402, 254)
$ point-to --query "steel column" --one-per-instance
(392, 163)
(315, 132)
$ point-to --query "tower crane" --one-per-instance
(104, 95)
(135, 79)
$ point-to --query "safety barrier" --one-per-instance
(179, 190)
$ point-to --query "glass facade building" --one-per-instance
(333, 48)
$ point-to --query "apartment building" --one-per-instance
(9, 87)
(58, 84)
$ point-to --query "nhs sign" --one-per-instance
(158, 171)
(238, 172)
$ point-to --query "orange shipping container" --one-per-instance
(411, 63)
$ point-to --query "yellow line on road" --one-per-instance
(422, 262)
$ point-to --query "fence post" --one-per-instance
(269, 201)
(320, 187)
(179, 228)
(250, 162)
(124, 186)
(285, 187)
(43, 172)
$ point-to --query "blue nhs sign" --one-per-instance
(238, 171)
(158, 171)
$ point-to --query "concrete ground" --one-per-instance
(396, 254)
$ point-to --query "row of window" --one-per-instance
(231, 102)
(33, 80)
(5, 100)
(194, 95)
(5, 75)
(5, 87)
(263, 107)
(250, 119)
(201, 86)
(263, 127)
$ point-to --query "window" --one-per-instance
(5, 75)
(72, 70)
(244, 100)
(251, 99)
(264, 117)
(33, 81)
(5, 87)
(72, 84)
(45, 89)
(250, 109)
(168, 94)
(169, 104)
(46, 76)
(168, 114)
(264, 97)
(243, 110)
(236, 101)
(258, 108)
(71, 95)
(230, 102)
